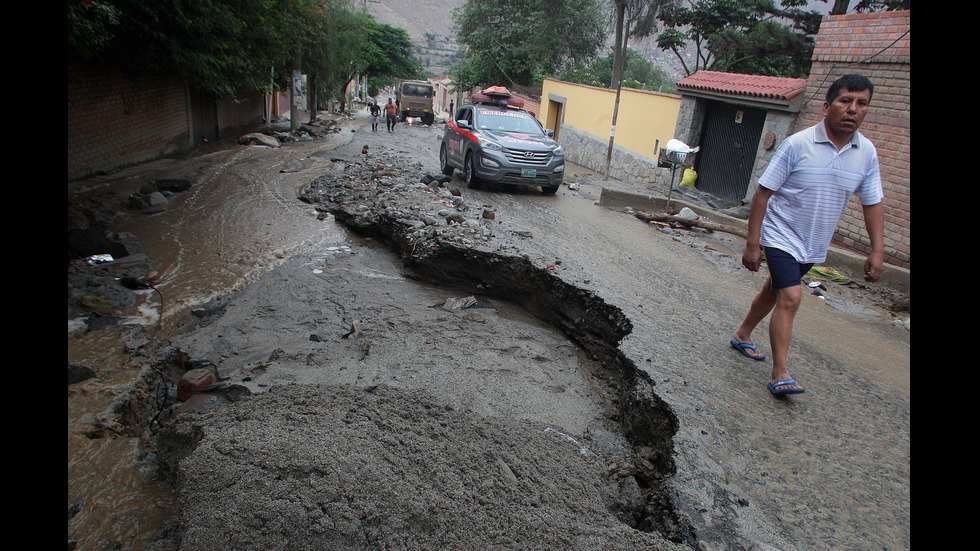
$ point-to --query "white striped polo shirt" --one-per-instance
(812, 182)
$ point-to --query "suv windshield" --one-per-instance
(507, 121)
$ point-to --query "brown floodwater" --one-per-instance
(240, 219)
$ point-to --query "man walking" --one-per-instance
(795, 211)
(375, 113)
(391, 111)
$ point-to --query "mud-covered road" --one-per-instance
(588, 400)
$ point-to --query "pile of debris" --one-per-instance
(280, 132)
(415, 211)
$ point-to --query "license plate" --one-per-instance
(529, 172)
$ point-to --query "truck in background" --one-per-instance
(415, 100)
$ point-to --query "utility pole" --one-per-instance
(621, 38)
(296, 96)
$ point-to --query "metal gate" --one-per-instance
(204, 116)
(729, 141)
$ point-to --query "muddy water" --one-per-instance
(234, 224)
(240, 219)
(119, 502)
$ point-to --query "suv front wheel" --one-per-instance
(444, 165)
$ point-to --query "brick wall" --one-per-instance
(115, 119)
(531, 104)
(876, 45)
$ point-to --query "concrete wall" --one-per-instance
(781, 125)
(235, 115)
(875, 45)
(644, 124)
(589, 151)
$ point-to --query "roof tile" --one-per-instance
(758, 86)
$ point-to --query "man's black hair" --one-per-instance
(854, 83)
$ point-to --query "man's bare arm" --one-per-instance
(752, 257)
(874, 221)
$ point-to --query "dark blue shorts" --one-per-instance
(784, 270)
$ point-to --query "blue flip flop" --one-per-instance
(772, 388)
(742, 346)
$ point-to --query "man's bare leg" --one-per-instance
(781, 332)
(762, 304)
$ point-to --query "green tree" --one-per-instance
(335, 38)
(746, 36)
(840, 6)
(638, 72)
(391, 55)
(517, 41)
(343, 43)
(217, 45)
(230, 46)
(631, 18)
(90, 28)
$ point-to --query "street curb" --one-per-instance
(894, 277)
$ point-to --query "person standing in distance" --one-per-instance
(795, 211)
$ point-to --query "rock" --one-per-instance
(193, 381)
(86, 242)
(136, 202)
(257, 138)
(156, 199)
(98, 304)
(137, 339)
(171, 185)
(455, 218)
(78, 373)
(294, 166)
(687, 214)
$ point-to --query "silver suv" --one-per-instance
(495, 143)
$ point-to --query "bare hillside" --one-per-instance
(418, 17)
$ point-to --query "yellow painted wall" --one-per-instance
(644, 117)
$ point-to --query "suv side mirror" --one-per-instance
(462, 123)
(549, 132)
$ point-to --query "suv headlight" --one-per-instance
(490, 145)
(557, 151)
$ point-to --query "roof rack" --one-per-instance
(498, 96)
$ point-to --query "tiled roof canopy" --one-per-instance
(772, 92)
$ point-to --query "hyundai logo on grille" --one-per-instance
(529, 154)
